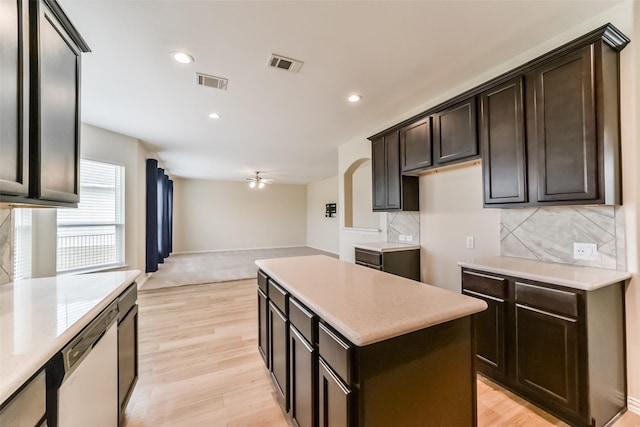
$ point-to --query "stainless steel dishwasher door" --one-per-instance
(89, 396)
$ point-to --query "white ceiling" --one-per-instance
(398, 55)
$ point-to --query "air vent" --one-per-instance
(212, 81)
(284, 63)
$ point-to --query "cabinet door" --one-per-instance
(14, 113)
(547, 356)
(303, 402)
(415, 145)
(490, 334)
(334, 398)
(393, 178)
(503, 144)
(565, 128)
(279, 353)
(56, 110)
(378, 171)
(263, 326)
(454, 132)
(127, 357)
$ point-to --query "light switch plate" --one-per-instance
(586, 251)
(402, 238)
(409, 238)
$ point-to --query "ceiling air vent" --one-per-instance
(212, 81)
(284, 63)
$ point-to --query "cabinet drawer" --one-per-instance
(302, 319)
(28, 407)
(335, 351)
(278, 296)
(554, 300)
(485, 284)
(370, 258)
(262, 281)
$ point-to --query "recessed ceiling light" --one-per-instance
(182, 57)
(214, 115)
(354, 98)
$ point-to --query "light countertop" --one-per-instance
(386, 246)
(363, 304)
(578, 277)
(38, 317)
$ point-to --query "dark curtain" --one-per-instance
(159, 216)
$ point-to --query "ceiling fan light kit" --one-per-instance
(257, 182)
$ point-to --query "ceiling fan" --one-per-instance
(258, 181)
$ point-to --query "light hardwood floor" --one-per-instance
(199, 366)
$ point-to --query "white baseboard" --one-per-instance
(234, 249)
(323, 250)
(633, 404)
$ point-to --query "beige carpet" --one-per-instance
(210, 267)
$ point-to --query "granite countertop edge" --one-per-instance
(572, 276)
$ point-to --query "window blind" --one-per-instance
(92, 235)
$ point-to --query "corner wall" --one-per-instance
(226, 215)
(322, 232)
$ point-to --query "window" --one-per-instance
(91, 237)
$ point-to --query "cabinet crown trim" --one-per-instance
(608, 33)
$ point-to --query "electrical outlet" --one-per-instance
(402, 238)
(409, 238)
(586, 251)
(470, 242)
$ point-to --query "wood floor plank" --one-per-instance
(199, 366)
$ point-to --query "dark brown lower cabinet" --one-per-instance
(334, 397)
(547, 356)
(302, 394)
(560, 348)
(279, 353)
(263, 326)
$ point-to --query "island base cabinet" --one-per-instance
(263, 326)
(424, 375)
(302, 377)
(278, 352)
(334, 399)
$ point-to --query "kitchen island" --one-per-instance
(38, 317)
(348, 345)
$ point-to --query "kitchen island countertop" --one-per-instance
(365, 305)
(38, 317)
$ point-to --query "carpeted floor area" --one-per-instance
(210, 267)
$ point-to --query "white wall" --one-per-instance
(347, 154)
(106, 146)
(450, 210)
(224, 215)
(361, 196)
(322, 232)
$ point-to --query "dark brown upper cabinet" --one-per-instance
(391, 190)
(415, 145)
(455, 134)
(42, 135)
(563, 135)
(14, 100)
(502, 140)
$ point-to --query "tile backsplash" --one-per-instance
(403, 223)
(548, 234)
(6, 245)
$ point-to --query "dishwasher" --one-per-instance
(88, 394)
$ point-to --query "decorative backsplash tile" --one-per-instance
(548, 234)
(403, 223)
(6, 245)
